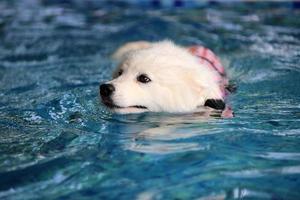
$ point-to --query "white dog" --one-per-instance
(164, 77)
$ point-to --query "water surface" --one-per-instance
(58, 142)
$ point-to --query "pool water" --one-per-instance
(58, 142)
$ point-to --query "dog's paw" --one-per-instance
(217, 104)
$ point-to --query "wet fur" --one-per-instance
(179, 83)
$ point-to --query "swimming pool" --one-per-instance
(58, 142)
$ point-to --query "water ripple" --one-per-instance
(58, 141)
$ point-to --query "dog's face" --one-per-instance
(161, 78)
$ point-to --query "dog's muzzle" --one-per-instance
(106, 91)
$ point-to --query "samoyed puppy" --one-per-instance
(165, 77)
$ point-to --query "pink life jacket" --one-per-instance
(208, 58)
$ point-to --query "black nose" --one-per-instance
(106, 90)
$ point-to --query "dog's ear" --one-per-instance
(217, 104)
(122, 51)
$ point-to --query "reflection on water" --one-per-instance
(58, 142)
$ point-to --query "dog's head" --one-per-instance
(161, 78)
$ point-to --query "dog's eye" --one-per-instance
(120, 72)
(143, 78)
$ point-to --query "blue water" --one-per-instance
(58, 142)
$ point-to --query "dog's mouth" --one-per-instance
(111, 105)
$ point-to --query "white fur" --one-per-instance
(179, 83)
